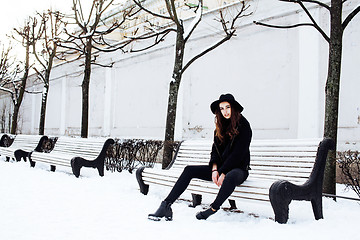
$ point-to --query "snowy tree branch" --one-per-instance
(195, 22)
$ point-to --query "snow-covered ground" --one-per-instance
(38, 204)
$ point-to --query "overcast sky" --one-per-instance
(14, 12)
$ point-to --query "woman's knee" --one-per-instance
(197, 171)
(236, 176)
(189, 169)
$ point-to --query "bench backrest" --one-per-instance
(26, 142)
(82, 147)
(3, 137)
(270, 159)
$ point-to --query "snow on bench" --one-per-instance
(22, 146)
(75, 153)
(270, 161)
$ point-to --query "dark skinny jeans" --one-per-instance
(232, 179)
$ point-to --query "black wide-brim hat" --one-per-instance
(226, 98)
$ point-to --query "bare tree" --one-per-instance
(6, 61)
(87, 37)
(13, 83)
(183, 35)
(335, 41)
(44, 33)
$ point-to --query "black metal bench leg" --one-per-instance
(20, 154)
(280, 200)
(232, 204)
(317, 208)
(32, 163)
(100, 169)
(144, 188)
(52, 168)
(76, 166)
(196, 200)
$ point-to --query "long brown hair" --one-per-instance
(223, 129)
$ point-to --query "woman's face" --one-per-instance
(225, 109)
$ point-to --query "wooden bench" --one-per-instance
(271, 161)
(22, 146)
(75, 153)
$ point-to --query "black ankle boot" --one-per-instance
(163, 211)
(203, 215)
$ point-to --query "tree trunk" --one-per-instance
(332, 93)
(45, 92)
(20, 95)
(43, 109)
(173, 95)
(170, 124)
(14, 119)
(85, 91)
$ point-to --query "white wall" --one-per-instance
(277, 75)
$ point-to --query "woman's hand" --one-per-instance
(220, 179)
(215, 177)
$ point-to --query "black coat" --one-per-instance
(233, 153)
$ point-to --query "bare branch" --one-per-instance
(154, 34)
(350, 17)
(32, 92)
(291, 26)
(6, 90)
(5, 63)
(241, 14)
(314, 23)
(150, 12)
(126, 14)
(80, 50)
(223, 23)
(196, 21)
(34, 39)
(106, 7)
(309, 1)
(229, 32)
(78, 19)
(226, 38)
(316, 26)
(157, 41)
(39, 74)
(102, 65)
(112, 48)
(91, 10)
(172, 11)
(284, 27)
